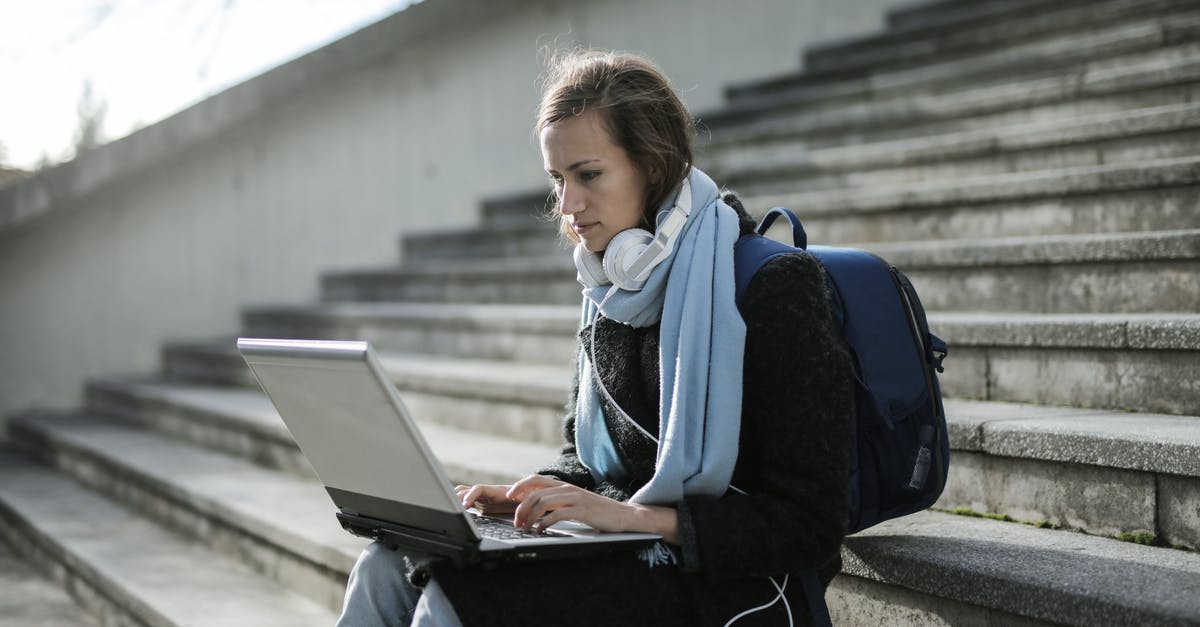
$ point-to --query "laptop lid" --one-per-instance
(349, 421)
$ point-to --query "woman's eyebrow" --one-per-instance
(579, 163)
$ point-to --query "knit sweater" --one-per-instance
(793, 466)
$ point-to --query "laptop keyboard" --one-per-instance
(504, 530)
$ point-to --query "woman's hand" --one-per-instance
(489, 499)
(544, 501)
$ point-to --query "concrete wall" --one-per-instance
(321, 163)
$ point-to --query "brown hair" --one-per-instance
(637, 106)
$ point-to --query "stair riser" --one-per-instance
(429, 338)
(859, 602)
(1098, 500)
(1126, 287)
(272, 450)
(1134, 380)
(511, 289)
(481, 244)
(159, 502)
(923, 15)
(102, 599)
(1112, 212)
(1164, 77)
(977, 35)
(184, 364)
(848, 174)
(541, 423)
(1054, 53)
(520, 211)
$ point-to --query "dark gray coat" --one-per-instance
(793, 462)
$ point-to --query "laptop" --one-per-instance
(347, 417)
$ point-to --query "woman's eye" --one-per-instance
(589, 175)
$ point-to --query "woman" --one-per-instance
(722, 426)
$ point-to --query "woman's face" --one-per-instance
(601, 191)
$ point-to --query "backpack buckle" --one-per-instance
(937, 352)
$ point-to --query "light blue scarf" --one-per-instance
(701, 344)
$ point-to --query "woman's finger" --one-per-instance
(520, 489)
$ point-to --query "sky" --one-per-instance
(145, 59)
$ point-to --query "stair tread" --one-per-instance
(252, 409)
(125, 553)
(1135, 441)
(1052, 571)
(825, 111)
(992, 188)
(1136, 331)
(1049, 574)
(734, 158)
(29, 600)
(963, 252)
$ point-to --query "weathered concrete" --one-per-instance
(857, 601)
(838, 107)
(117, 559)
(1115, 211)
(863, 159)
(1099, 500)
(1179, 510)
(1043, 574)
(994, 188)
(28, 600)
(965, 29)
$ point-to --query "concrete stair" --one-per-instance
(1032, 165)
(28, 600)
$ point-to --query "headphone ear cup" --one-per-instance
(588, 267)
(623, 250)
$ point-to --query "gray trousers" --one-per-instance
(378, 594)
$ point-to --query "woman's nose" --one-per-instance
(570, 200)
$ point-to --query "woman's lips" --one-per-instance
(583, 228)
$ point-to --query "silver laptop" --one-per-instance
(367, 450)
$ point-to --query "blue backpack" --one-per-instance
(900, 452)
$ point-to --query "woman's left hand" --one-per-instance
(545, 501)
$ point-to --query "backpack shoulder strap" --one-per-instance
(753, 251)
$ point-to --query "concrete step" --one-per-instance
(519, 209)
(522, 239)
(506, 399)
(209, 361)
(1139, 362)
(1108, 273)
(933, 568)
(1123, 272)
(280, 526)
(1157, 195)
(968, 28)
(243, 423)
(1158, 77)
(921, 15)
(1141, 471)
(1136, 362)
(536, 280)
(245, 500)
(1106, 473)
(128, 570)
(524, 333)
(1110, 138)
(1038, 56)
(29, 600)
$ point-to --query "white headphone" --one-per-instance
(633, 254)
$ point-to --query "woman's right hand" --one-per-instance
(488, 499)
